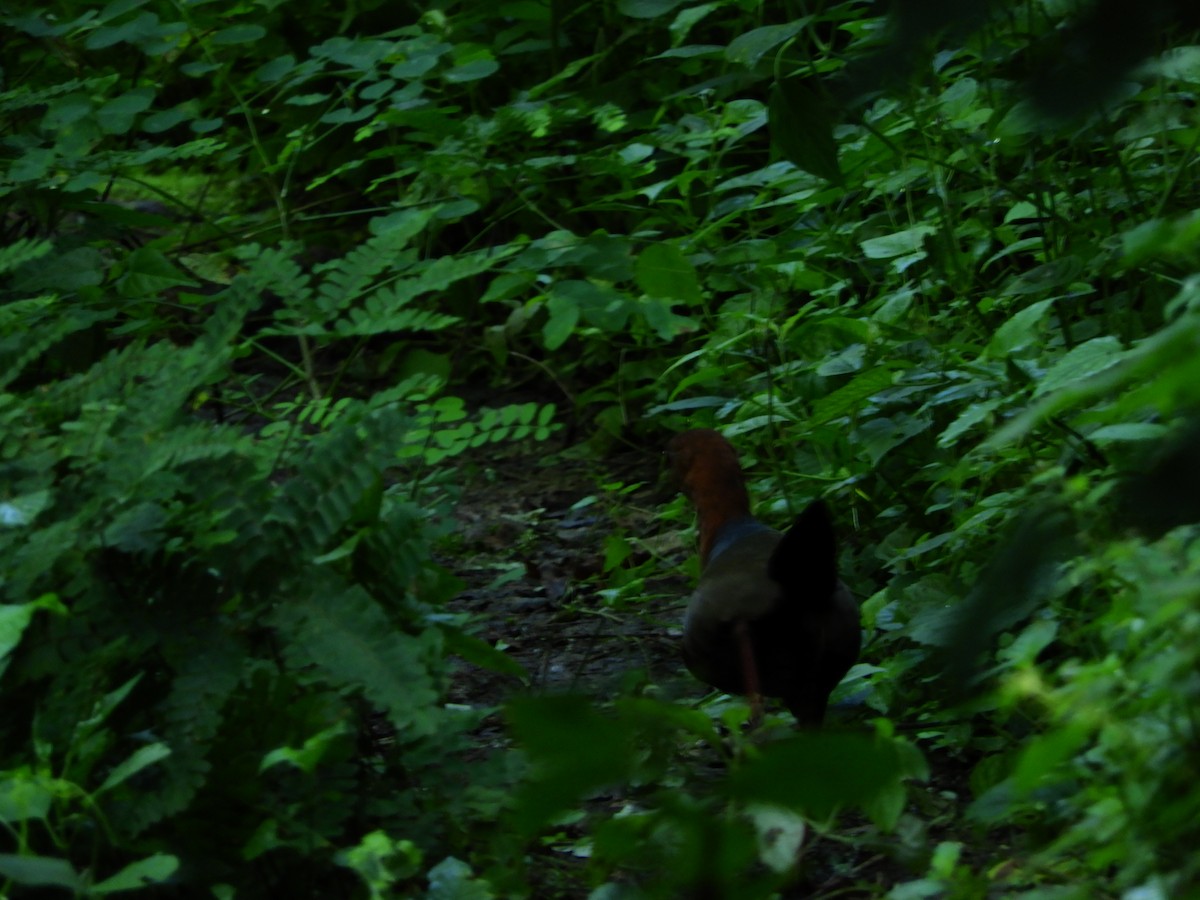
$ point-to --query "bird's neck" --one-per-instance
(720, 501)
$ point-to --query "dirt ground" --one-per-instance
(532, 556)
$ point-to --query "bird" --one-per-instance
(769, 615)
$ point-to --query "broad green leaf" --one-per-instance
(1044, 755)
(139, 875)
(472, 70)
(900, 243)
(802, 128)
(1021, 330)
(146, 756)
(819, 772)
(1022, 210)
(968, 419)
(573, 748)
(481, 653)
(663, 271)
(117, 115)
(1164, 366)
(307, 757)
(149, 273)
(40, 871)
(646, 9)
(15, 618)
(849, 398)
(1129, 431)
(19, 512)
(118, 8)
(563, 316)
(1083, 361)
(452, 879)
(245, 33)
(23, 796)
(881, 435)
(747, 49)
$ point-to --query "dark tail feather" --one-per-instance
(805, 562)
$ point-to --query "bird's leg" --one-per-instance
(749, 671)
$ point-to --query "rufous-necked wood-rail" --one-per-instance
(769, 615)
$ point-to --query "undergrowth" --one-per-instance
(268, 273)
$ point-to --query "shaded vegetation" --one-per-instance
(289, 293)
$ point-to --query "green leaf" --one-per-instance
(473, 70)
(663, 271)
(40, 871)
(148, 273)
(1083, 361)
(146, 756)
(802, 128)
(246, 33)
(646, 9)
(1020, 331)
(849, 398)
(900, 243)
(307, 757)
(748, 48)
(573, 748)
(24, 796)
(15, 618)
(481, 653)
(117, 115)
(818, 773)
(1129, 431)
(452, 879)
(353, 642)
(138, 875)
(564, 314)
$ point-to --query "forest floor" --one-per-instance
(530, 549)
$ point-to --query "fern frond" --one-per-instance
(25, 342)
(273, 269)
(24, 98)
(17, 254)
(209, 671)
(377, 319)
(348, 278)
(349, 638)
(342, 467)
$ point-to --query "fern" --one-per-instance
(346, 634)
(28, 342)
(386, 310)
(350, 277)
(17, 254)
(342, 468)
(26, 98)
(210, 667)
